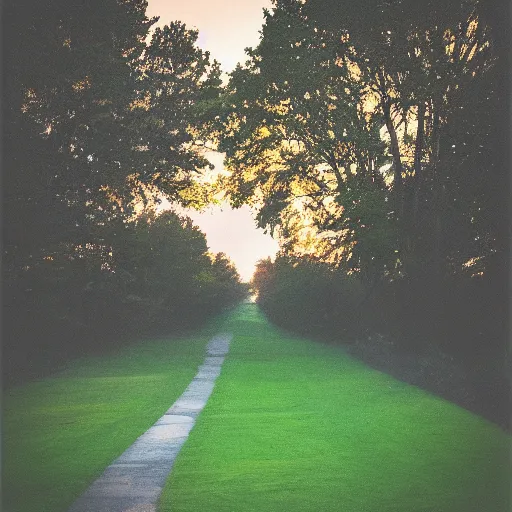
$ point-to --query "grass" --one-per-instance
(298, 426)
(59, 433)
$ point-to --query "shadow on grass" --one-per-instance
(480, 386)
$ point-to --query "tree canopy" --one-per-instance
(365, 133)
(370, 137)
(101, 119)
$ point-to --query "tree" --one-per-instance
(170, 276)
(98, 122)
(96, 118)
(305, 118)
(175, 77)
(364, 135)
(299, 134)
(68, 86)
(421, 61)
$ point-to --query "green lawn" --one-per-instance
(298, 426)
(61, 432)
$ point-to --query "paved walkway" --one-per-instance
(134, 481)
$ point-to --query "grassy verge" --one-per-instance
(299, 426)
(59, 433)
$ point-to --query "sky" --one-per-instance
(225, 27)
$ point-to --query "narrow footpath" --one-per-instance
(134, 481)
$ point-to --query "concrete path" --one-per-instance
(134, 481)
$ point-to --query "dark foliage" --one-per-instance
(420, 215)
(155, 277)
(310, 297)
(99, 119)
(452, 345)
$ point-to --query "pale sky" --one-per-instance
(225, 27)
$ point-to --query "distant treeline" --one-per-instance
(101, 117)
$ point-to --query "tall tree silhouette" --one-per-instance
(100, 117)
(365, 135)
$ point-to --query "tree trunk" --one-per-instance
(334, 166)
(420, 138)
(437, 193)
(395, 151)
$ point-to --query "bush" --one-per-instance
(155, 275)
(310, 297)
